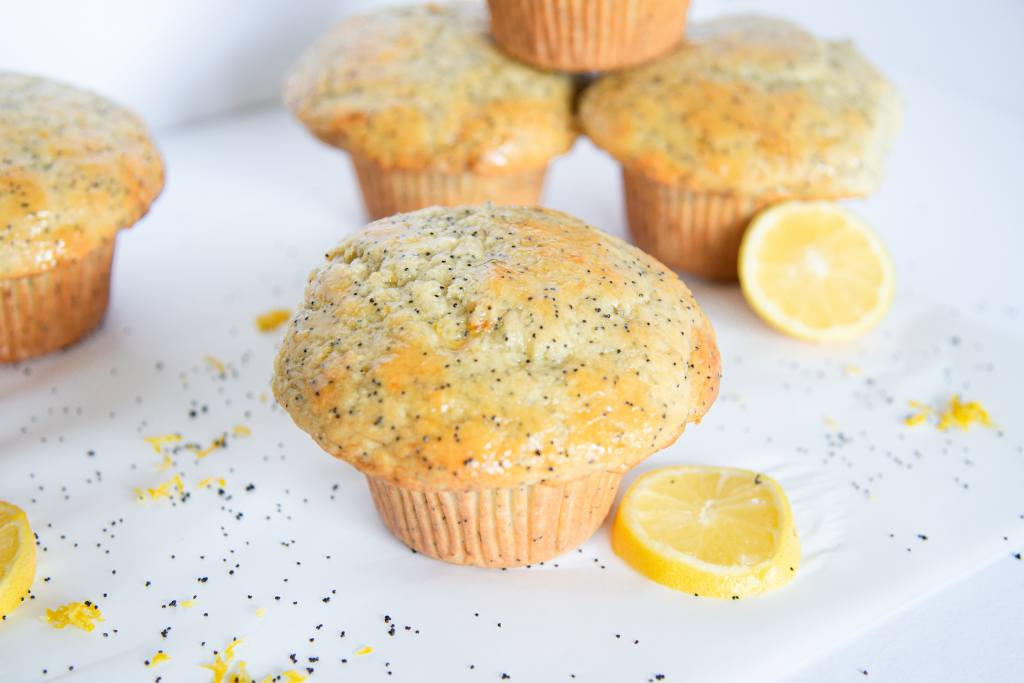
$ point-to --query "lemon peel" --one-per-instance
(272, 319)
(82, 615)
(159, 658)
(957, 414)
(161, 490)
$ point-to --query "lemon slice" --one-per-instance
(712, 531)
(815, 271)
(17, 557)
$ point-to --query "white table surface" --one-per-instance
(250, 206)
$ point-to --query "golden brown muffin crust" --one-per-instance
(425, 87)
(494, 346)
(752, 105)
(74, 169)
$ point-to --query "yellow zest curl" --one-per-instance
(163, 490)
(273, 319)
(78, 614)
(158, 658)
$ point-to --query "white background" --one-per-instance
(177, 62)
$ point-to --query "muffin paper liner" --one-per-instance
(496, 527)
(46, 311)
(587, 35)
(697, 232)
(389, 191)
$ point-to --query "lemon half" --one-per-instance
(712, 531)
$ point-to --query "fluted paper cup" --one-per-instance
(496, 527)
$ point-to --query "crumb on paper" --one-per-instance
(273, 319)
(78, 614)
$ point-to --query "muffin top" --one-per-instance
(494, 346)
(74, 169)
(425, 87)
(753, 105)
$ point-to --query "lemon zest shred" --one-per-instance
(853, 370)
(226, 670)
(210, 481)
(217, 444)
(922, 413)
(272, 319)
(158, 442)
(916, 419)
(165, 464)
(158, 658)
(963, 415)
(218, 667)
(229, 651)
(78, 614)
(240, 674)
(261, 611)
(217, 364)
(222, 663)
(957, 414)
(162, 490)
(187, 603)
(241, 430)
(364, 650)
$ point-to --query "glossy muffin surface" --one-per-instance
(74, 169)
(750, 105)
(425, 87)
(494, 346)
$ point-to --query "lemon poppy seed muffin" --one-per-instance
(494, 371)
(587, 35)
(430, 110)
(747, 112)
(75, 168)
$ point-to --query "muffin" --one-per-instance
(430, 111)
(587, 35)
(75, 168)
(747, 112)
(494, 371)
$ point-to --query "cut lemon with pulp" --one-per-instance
(815, 271)
(17, 557)
(713, 531)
